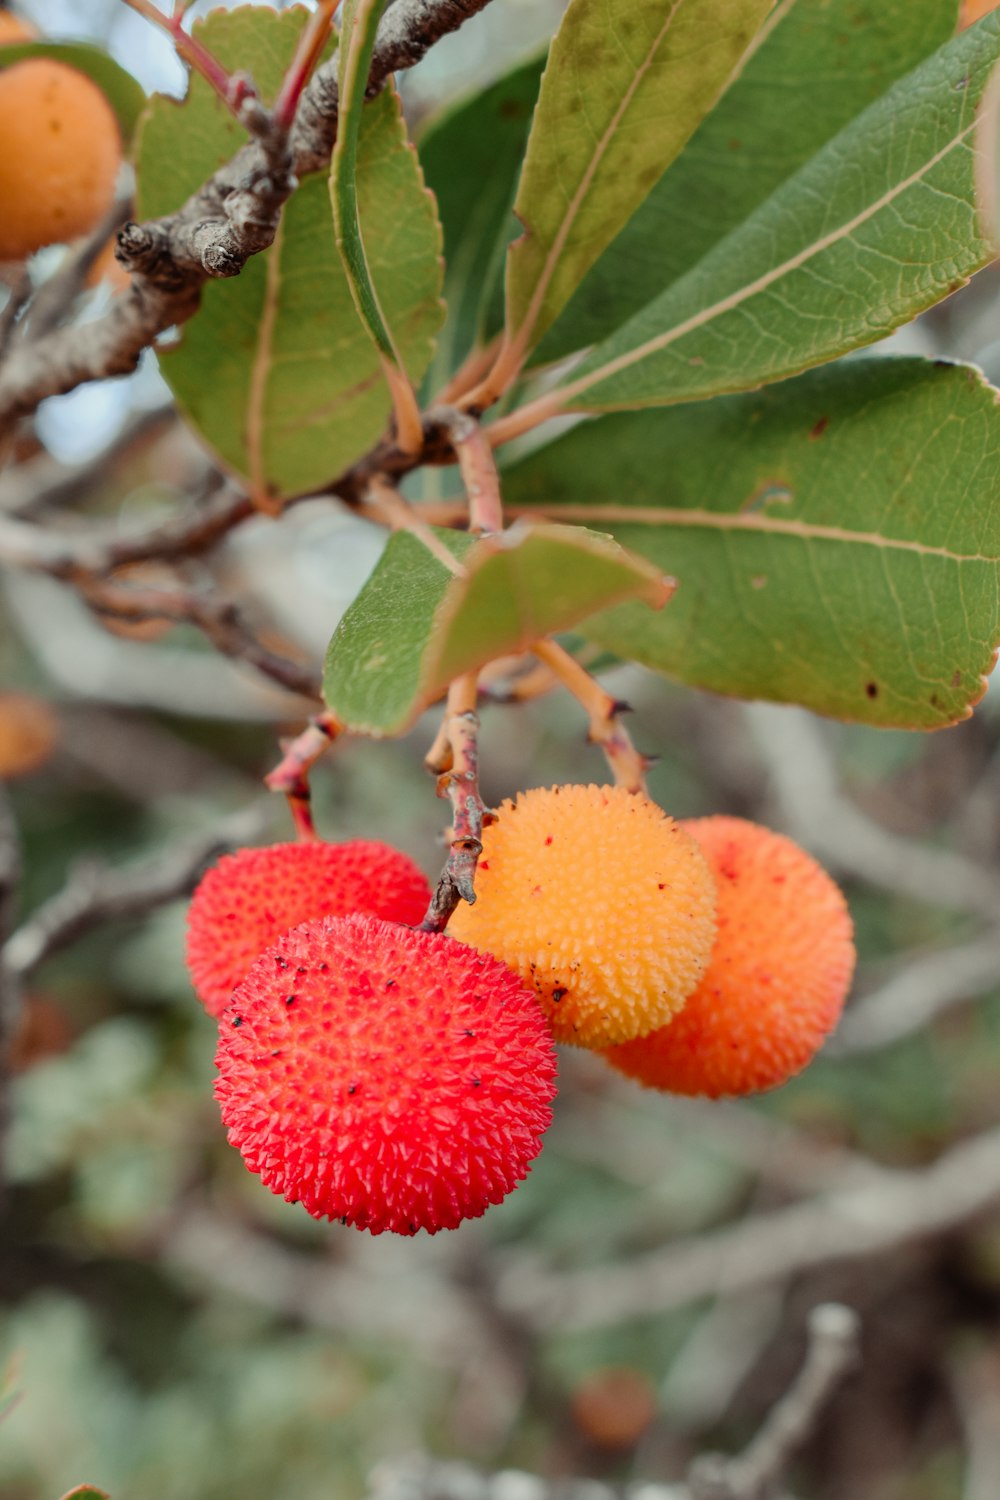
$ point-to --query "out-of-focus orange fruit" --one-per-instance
(614, 1406)
(28, 732)
(61, 153)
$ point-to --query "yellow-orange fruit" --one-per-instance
(778, 977)
(602, 904)
(12, 29)
(60, 158)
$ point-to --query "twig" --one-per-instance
(923, 989)
(217, 618)
(975, 1385)
(854, 1222)
(628, 766)
(291, 775)
(95, 895)
(383, 503)
(477, 468)
(56, 296)
(17, 299)
(233, 90)
(454, 757)
(497, 684)
(833, 1351)
(76, 555)
(42, 482)
(805, 788)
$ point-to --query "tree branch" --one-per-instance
(232, 217)
(888, 1211)
(94, 894)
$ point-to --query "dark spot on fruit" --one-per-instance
(276, 1052)
(237, 1021)
(290, 999)
(871, 688)
(661, 886)
(282, 963)
(353, 1089)
(559, 993)
(818, 430)
(322, 968)
(390, 984)
(475, 1083)
(548, 841)
(467, 1032)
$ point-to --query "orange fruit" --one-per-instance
(60, 158)
(778, 976)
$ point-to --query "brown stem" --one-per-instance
(291, 774)
(217, 618)
(477, 467)
(628, 765)
(454, 756)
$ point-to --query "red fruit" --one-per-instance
(777, 978)
(388, 1078)
(251, 897)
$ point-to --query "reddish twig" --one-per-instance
(235, 89)
(314, 38)
(628, 765)
(454, 758)
(291, 775)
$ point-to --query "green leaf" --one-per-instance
(359, 24)
(624, 88)
(417, 624)
(878, 226)
(277, 371)
(121, 90)
(471, 155)
(836, 539)
(814, 65)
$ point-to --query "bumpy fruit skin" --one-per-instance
(251, 897)
(778, 977)
(392, 1079)
(602, 904)
(60, 158)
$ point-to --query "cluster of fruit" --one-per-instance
(62, 150)
(399, 1079)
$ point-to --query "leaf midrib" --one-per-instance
(568, 393)
(657, 515)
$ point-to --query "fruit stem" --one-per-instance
(291, 775)
(628, 765)
(454, 759)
